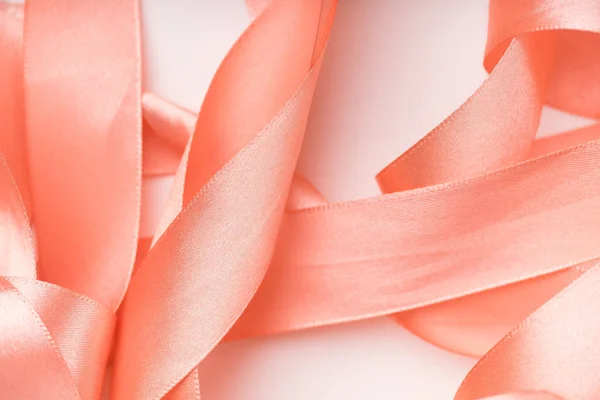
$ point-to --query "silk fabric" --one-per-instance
(479, 221)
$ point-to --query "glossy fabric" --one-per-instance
(84, 145)
(255, 192)
(70, 137)
(479, 225)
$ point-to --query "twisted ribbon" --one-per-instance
(481, 223)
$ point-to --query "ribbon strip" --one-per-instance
(318, 259)
(70, 133)
(90, 135)
(287, 299)
(477, 204)
(525, 63)
(236, 213)
(54, 343)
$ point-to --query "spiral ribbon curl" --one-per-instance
(478, 217)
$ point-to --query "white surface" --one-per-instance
(394, 69)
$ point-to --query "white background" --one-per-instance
(394, 69)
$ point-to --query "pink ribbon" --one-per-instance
(71, 136)
(479, 225)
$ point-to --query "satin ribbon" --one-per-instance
(71, 134)
(477, 204)
(232, 186)
(304, 294)
(311, 251)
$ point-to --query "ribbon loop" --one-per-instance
(27, 347)
(210, 261)
(555, 349)
(77, 148)
(46, 352)
(574, 85)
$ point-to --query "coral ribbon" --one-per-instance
(326, 274)
(231, 188)
(71, 135)
(480, 224)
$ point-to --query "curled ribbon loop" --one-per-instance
(554, 349)
(238, 166)
(54, 343)
(537, 52)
